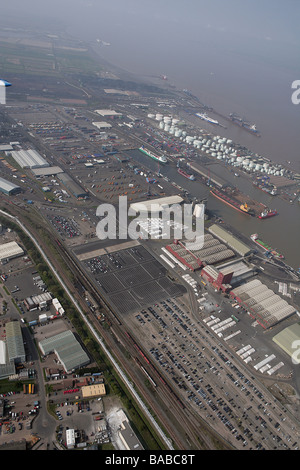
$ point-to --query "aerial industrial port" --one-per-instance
(146, 343)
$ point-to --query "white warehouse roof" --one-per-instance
(29, 159)
(10, 250)
(164, 202)
(107, 112)
(7, 187)
(102, 125)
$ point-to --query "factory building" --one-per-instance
(10, 251)
(241, 271)
(29, 159)
(217, 278)
(8, 188)
(266, 307)
(68, 350)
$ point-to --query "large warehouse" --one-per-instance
(14, 342)
(72, 186)
(211, 252)
(68, 350)
(29, 159)
(230, 240)
(288, 340)
(9, 251)
(6, 187)
(148, 204)
(262, 303)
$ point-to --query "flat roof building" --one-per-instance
(47, 171)
(102, 125)
(72, 186)
(95, 390)
(128, 437)
(6, 187)
(108, 113)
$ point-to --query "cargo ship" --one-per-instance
(186, 175)
(236, 119)
(266, 247)
(204, 117)
(244, 208)
(267, 213)
(158, 158)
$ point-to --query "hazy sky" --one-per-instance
(276, 19)
(236, 55)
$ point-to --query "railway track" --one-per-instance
(185, 429)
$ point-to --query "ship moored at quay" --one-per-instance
(266, 247)
(158, 158)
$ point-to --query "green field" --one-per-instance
(45, 59)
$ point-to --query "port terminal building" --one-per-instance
(230, 240)
(210, 252)
(266, 307)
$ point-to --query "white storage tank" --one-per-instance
(159, 117)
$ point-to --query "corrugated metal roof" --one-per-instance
(67, 348)
(29, 159)
(7, 186)
(267, 306)
(10, 250)
(228, 238)
(14, 341)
